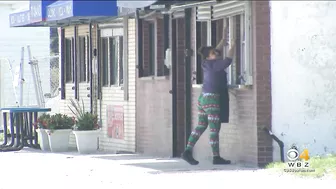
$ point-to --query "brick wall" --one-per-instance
(154, 126)
(154, 103)
(242, 139)
(262, 78)
(238, 137)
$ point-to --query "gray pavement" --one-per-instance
(34, 169)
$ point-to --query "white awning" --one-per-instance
(135, 4)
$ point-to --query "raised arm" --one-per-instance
(222, 42)
(223, 64)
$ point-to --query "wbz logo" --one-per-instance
(298, 164)
(294, 157)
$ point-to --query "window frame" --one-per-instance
(150, 49)
(83, 59)
(104, 61)
(199, 35)
(113, 61)
(68, 59)
(121, 60)
(88, 70)
(112, 72)
(245, 72)
(146, 48)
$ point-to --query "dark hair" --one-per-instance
(205, 51)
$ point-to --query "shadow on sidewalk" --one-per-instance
(149, 164)
(168, 165)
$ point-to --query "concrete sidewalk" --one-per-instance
(33, 169)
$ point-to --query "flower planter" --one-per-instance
(43, 139)
(86, 141)
(59, 140)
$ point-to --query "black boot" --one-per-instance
(187, 156)
(217, 160)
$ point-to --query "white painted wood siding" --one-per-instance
(115, 96)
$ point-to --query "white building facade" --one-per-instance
(303, 75)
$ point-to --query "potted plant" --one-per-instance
(59, 129)
(86, 129)
(40, 126)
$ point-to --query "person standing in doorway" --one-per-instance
(213, 102)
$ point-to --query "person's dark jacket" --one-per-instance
(215, 81)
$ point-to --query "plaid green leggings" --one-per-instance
(208, 115)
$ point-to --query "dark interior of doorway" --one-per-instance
(181, 81)
(178, 86)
